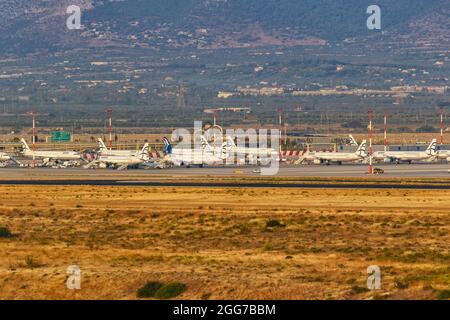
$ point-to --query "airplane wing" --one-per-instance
(13, 159)
(91, 164)
(300, 160)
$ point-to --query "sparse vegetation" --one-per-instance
(149, 289)
(274, 223)
(5, 232)
(359, 289)
(32, 263)
(400, 285)
(170, 290)
(444, 295)
(218, 247)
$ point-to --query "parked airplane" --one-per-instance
(4, 157)
(353, 141)
(192, 157)
(54, 155)
(335, 157)
(443, 155)
(253, 154)
(104, 151)
(429, 154)
(121, 161)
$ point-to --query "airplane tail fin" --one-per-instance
(432, 148)
(205, 144)
(230, 142)
(144, 154)
(353, 141)
(228, 147)
(362, 149)
(25, 145)
(167, 146)
(225, 151)
(101, 145)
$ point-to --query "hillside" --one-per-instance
(29, 26)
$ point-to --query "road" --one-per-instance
(211, 177)
(332, 171)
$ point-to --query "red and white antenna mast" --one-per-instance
(110, 111)
(33, 139)
(370, 142)
(385, 131)
(442, 126)
(280, 111)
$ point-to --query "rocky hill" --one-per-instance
(32, 26)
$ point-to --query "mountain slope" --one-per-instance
(40, 24)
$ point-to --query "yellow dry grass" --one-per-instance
(216, 241)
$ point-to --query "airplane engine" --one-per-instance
(317, 161)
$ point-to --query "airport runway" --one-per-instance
(206, 177)
(424, 170)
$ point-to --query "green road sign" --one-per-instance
(60, 136)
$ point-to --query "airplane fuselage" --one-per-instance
(181, 157)
(120, 160)
(4, 157)
(253, 151)
(443, 154)
(333, 156)
(120, 153)
(54, 155)
(408, 155)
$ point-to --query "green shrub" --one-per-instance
(170, 290)
(400, 285)
(268, 247)
(149, 289)
(32, 263)
(358, 289)
(273, 223)
(5, 232)
(444, 295)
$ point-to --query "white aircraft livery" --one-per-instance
(104, 151)
(51, 155)
(353, 141)
(122, 161)
(429, 154)
(189, 157)
(253, 154)
(335, 157)
(4, 156)
(443, 154)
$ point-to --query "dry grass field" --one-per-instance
(224, 243)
